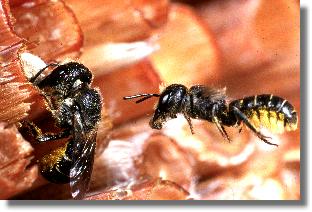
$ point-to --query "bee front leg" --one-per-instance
(242, 117)
(43, 137)
(189, 121)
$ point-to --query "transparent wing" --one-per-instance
(83, 156)
(215, 94)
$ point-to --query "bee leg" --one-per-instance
(189, 121)
(49, 104)
(40, 137)
(241, 116)
(33, 79)
(220, 127)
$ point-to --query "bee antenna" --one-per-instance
(144, 95)
(33, 79)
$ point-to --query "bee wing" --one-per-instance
(215, 94)
(83, 157)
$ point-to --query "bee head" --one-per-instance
(66, 77)
(171, 102)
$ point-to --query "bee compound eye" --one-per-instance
(164, 99)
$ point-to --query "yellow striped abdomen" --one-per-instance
(271, 112)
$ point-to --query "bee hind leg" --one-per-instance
(242, 117)
(43, 137)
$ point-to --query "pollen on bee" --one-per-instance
(51, 159)
(264, 118)
(277, 122)
(273, 121)
(280, 122)
(255, 118)
(291, 127)
(269, 119)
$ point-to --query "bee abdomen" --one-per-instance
(272, 112)
(56, 165)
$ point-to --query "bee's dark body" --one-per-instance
(77, 110)
(200, 102)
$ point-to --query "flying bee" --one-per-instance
(76, 109)
(200, 102)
